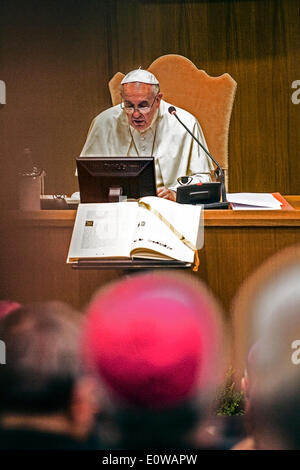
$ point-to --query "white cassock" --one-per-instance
(176, 152)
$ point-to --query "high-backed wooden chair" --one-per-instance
(209, 99)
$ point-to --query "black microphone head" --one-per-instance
(172, 110)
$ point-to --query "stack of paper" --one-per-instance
(253, 201)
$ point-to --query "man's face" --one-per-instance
(135, 95)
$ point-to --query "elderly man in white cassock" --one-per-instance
(142, 126)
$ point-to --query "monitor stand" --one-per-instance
(115, 194)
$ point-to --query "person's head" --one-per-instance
(275, 387)
(272, 305)
(141, 98)
(42, 380)
(155, 340)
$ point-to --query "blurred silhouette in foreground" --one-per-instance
(8, 306)
(156, 343)
(270, 299)
(46, 401)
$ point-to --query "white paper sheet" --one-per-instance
(253, 201)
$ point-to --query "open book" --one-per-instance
(151, 228)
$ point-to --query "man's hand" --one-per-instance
(166, 193)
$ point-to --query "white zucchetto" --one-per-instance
(140, 75)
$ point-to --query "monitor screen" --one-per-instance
(111, 179)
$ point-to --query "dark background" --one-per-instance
(57, 57)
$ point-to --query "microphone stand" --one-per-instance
(219, 172)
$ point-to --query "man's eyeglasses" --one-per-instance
(129, 108)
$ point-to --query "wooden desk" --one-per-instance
(35, 247)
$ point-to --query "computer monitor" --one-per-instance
(111, 179)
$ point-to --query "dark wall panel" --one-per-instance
(54, 62)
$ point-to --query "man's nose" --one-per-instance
(136, 112)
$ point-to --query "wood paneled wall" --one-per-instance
(56, 58)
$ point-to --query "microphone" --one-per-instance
(219, 172)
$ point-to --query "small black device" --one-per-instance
(199, 193)
(111, 179)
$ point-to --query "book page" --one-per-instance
(103, 230)
(154, 235)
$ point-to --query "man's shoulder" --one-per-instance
(108, 114)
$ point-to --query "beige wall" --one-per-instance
(57, 57)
